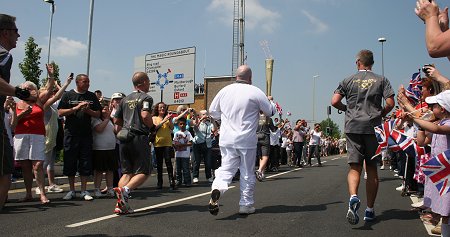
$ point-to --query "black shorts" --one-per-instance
(263, 146)
(77, 155)
(105, 160)
(6, 155)
(135, 156)
(361, 147)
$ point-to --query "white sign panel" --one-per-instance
(172, 75)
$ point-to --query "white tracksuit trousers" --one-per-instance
(232, 159)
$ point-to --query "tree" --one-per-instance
(30, 65)
(330, 128)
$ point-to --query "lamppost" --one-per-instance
(314, 97)
(52, 9)
(382, 40)
(91, 17)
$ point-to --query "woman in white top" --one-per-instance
(314, 143)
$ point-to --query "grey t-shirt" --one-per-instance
(364, 92)
(130, 111)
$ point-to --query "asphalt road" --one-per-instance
(294, 202)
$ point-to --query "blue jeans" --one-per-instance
(202, 152)
(183, 170)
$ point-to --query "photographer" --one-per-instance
(204, 134)
(163, 142)
(184, 111)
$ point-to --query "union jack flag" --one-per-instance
(404, 143)
(414, 90)
(383, 134)
(279, 109)
(438, 171)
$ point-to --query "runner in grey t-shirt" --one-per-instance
(364, 92)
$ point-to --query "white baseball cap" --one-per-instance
(117, 95)
(443, 99)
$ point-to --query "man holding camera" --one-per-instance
(202, 144)
(363, 92)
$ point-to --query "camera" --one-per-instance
(426, 68)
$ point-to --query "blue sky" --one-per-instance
(306, 38)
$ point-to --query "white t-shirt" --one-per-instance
(105, 140)
(275, 137)
(237, 106)
(314, 137)
(183, 138)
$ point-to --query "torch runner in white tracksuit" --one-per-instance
(237, 107)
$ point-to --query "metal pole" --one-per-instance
(91, 17)
(241, 32)
(314, 98)
(382, 40)
(52, 8)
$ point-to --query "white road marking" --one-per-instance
(164, 203)
(161, 204)
(140, 209)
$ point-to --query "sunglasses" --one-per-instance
(14, 29)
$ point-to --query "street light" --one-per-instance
(52, 9)
(382, 40)
(314, 97)
(91, 18)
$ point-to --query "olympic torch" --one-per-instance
(269, 72)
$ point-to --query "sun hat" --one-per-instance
(117, 95)
(443, 99)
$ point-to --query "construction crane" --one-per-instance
(238, 57)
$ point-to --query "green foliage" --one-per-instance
(30, 65)
(333, 128)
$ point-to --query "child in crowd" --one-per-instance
(438, 135)
(182, 140)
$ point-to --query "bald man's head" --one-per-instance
(141, 81)
(244, 73)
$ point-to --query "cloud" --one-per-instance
(319, 26)
(256, 15)
(64, 47)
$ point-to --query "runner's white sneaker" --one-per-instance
(246, 210)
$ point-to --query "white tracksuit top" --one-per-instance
(237, 106)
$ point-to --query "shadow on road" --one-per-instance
(285, 209)
(18, 208)
(391, 214)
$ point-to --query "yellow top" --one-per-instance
(164, 133)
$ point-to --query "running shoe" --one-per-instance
(214, 202)
(369, 215)
(122, 198)
(246, 210)
(352, 213)
(122, 210)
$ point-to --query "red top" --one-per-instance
(32, 123)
